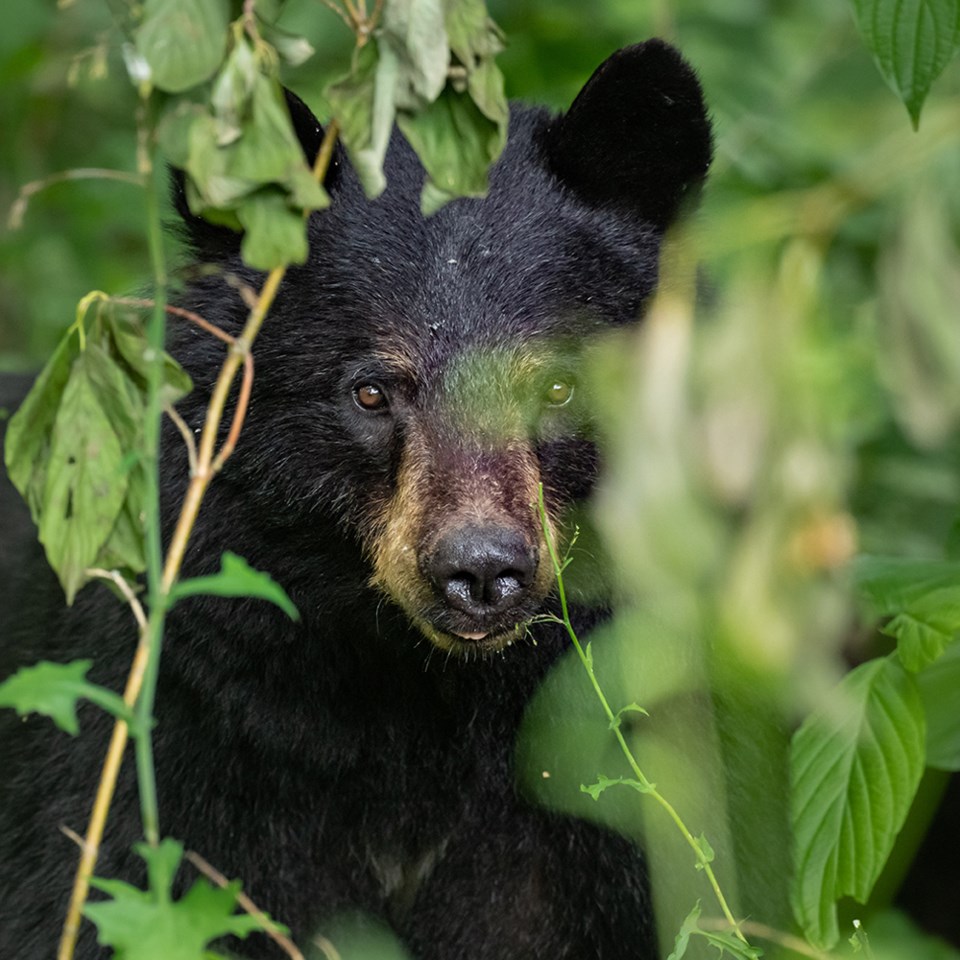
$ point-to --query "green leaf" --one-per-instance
(27, 446)
(151, 925)
(53, 689)
(922, 597)
(855, 768)
(415, 32)
(604, 783)
(363, 103)
(629, 708)
(687, 928)
(912, 41)
(129, 339)
(183, 41)
(293, 49)
(456, 144)
(274, 234)
(255, 177)
(237, 579)
(709, 855)
(85, 482)
(939, 688)
(726, 942)
(233, 89)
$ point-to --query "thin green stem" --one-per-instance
(702, 860)
(154, 177)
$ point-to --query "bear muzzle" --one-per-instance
(483, 571)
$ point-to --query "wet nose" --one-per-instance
(482, 570)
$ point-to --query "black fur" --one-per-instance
(341, 763)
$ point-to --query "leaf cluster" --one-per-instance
(72, 449)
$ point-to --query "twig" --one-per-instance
(703, 862)
(239, 413)
(125, 589)
(171, 411)
(177, 312)
(269, 927)
(329, 950)
(338, 11)
(19, 207)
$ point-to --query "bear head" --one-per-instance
(419, 378)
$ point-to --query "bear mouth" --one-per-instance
(471, 642)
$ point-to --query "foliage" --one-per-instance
(815, 415)
(150, 925)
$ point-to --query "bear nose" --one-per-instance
(482, 570)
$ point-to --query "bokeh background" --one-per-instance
(793, 401)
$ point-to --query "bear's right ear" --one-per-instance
(637, 137)
(212, 241)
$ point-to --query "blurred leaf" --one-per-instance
(893, 936)
(912, 40)
(237, 579)
(922, 597)
(293, 49)
(151, 925)
(182, 40)
(856, 765)
(939, 690)
(53, 689)
(233, 89)
(919, 288)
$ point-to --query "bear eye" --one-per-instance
(558, 392)
(370, 397)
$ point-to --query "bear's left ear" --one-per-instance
(637, 137)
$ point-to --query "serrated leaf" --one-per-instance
(912, 41)
(604, 783)
(183, 41)
(151, 925)
(85, 482)
(726, 942)
(53, 689)
(237, 579)
(940, 692)
(923, 599)
(855, 769)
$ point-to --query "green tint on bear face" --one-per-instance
(458, 543)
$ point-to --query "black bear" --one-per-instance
(416, 382)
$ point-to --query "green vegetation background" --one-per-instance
(810, 143)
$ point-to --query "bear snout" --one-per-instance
(482, 570)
